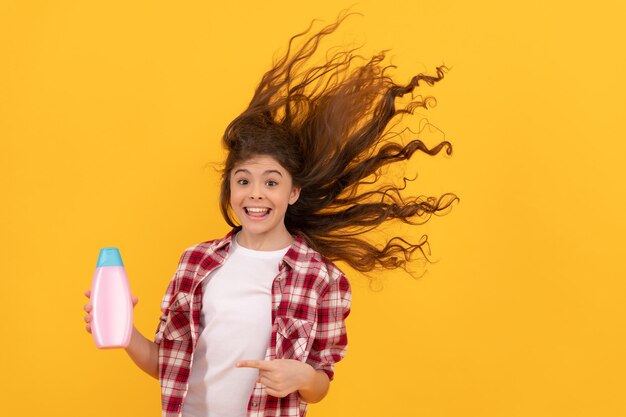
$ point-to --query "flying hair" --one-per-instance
(330, 126)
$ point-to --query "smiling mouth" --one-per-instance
(257, 211)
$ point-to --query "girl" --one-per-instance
(253, 323)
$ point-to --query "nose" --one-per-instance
(256, 193)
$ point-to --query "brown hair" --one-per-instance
(329, 126)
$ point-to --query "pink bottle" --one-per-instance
(112, 323)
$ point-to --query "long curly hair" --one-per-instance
(330, 126)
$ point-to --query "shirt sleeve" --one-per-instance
(158, 337)
(170, 292)
(331, 340)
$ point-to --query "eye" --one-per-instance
(271, 183)
(242, 181)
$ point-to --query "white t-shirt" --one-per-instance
(235, 324)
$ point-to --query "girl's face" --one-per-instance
(260, 192)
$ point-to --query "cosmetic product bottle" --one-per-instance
(112, 312)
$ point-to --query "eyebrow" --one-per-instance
(269, 171)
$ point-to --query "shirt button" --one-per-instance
(255, 403)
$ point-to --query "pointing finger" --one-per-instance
(260, 365)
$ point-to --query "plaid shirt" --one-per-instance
(310, 301)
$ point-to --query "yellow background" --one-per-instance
(109, 112)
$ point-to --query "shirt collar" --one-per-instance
(296, 257)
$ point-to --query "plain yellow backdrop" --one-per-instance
(110, 111)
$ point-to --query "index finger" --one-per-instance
(260, 365)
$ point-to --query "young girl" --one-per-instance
(253, 323)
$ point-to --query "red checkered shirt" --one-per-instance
(310, 302)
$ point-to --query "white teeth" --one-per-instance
(256, 210)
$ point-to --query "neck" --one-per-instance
(276, 241)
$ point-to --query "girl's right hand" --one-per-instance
(88, 307)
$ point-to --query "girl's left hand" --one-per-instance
(281, 377)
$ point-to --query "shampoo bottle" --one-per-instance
(112, 323)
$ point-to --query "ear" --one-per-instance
(295, 194)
